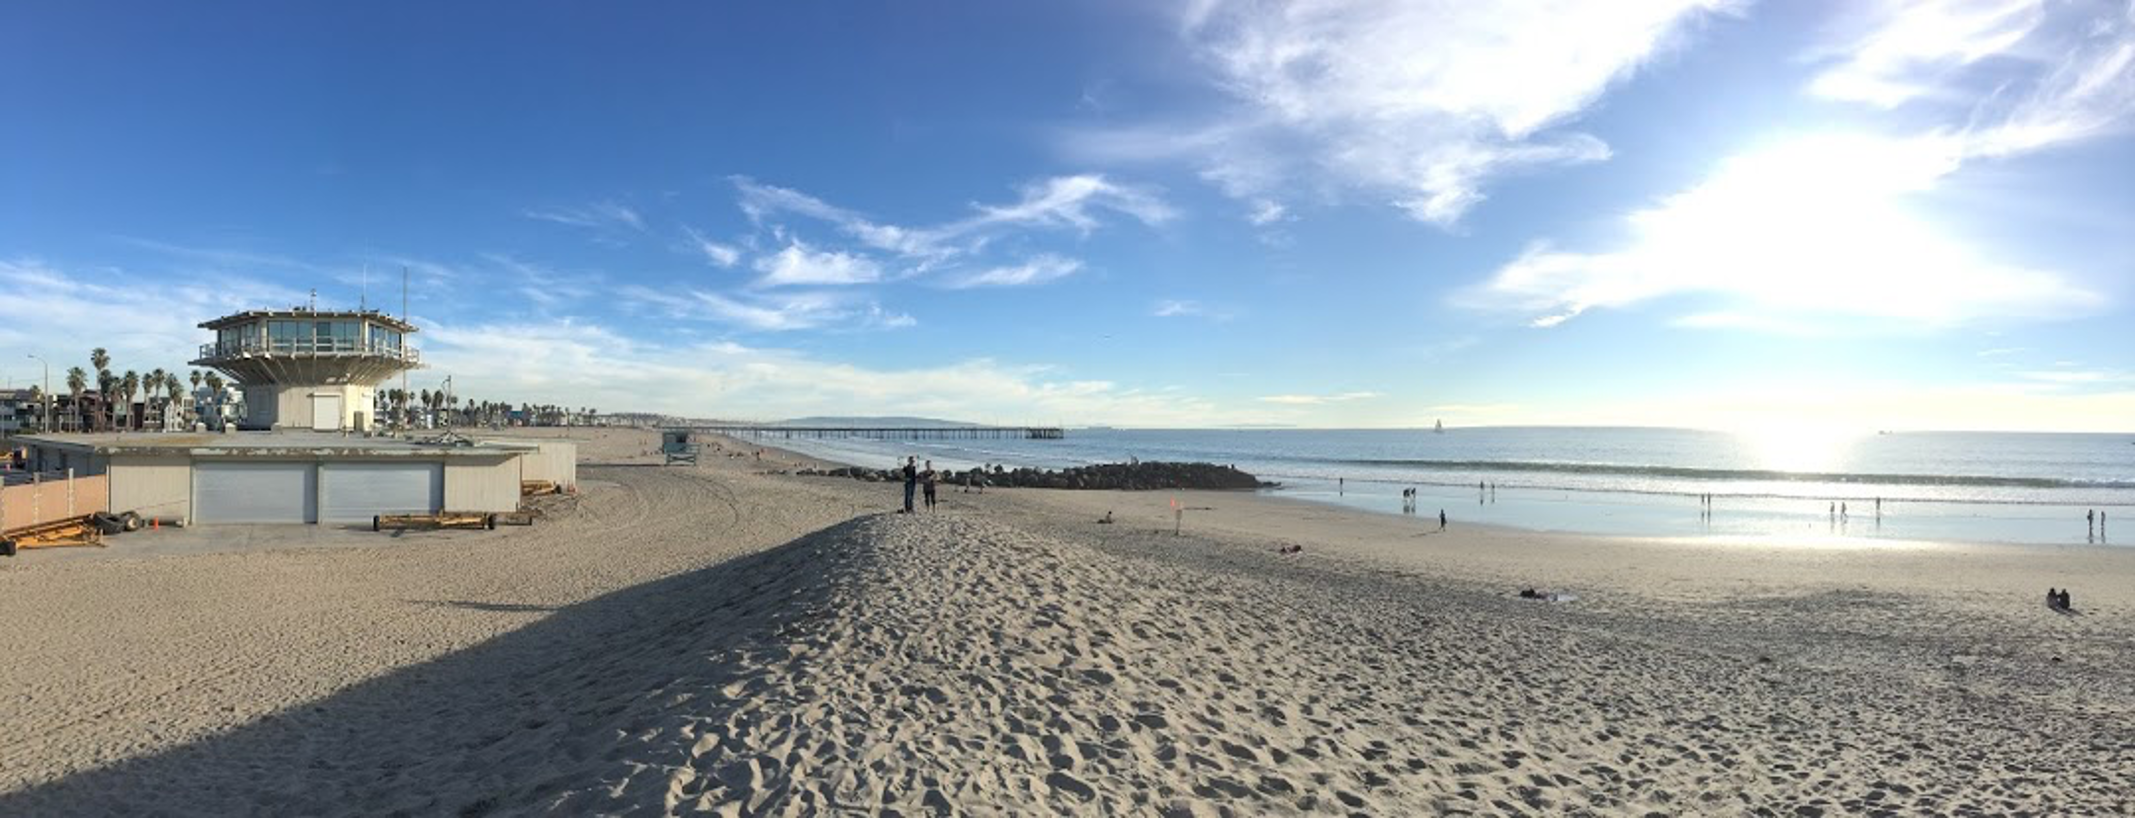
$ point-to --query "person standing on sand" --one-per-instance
(1441, 519)
(911, 481)
(927, 479)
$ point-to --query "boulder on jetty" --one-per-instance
(1103, 476)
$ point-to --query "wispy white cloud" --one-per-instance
(1810, 228)
(598, 216)
(2011, 76)
(226, 259)
(1076, 202)
(782, 311)
(1189, 308)
(1899, 50)
(1816, 227)
(1419, 104)
(1069, 201)
(1265, 212)
(799, 264)
(541, 285)
(1171, 308)
(1317, 400)
(720, 255)
(62, 312)
(1035, 271)
(584, 363)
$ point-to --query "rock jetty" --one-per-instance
(1103, 476)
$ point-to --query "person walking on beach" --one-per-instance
(1441, 519)
(927, 479)
(911, 481)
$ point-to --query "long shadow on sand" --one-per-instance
(506, 726)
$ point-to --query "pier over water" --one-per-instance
(890, 433)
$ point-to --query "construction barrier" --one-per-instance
(33, 504)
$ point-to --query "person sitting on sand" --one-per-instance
(2053, 598)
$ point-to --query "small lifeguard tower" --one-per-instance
(679, 448)
(304, 368)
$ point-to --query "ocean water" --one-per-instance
(1983, 486)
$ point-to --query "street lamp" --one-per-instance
(47, 428)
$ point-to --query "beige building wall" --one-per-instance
(293, 405)
(152, 486)
(482, 484)
(557, 462)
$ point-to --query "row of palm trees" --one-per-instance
(162, 389)
(448, 408)
(116, 392)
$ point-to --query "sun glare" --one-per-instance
(1799, 447)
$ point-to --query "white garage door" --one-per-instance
(326, 413)
(354, 492)
(255, 493)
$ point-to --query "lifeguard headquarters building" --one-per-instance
(304, 369)
(309, 379)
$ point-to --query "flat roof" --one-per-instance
(249, 316)
(269, 444)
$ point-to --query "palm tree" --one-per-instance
(100, 360)
(213, 380)
(77, 383)
(192, 404)
(175, 387)
(107, 385)
(128, 385)
(153, 385)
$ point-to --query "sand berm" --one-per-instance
(1008, 655)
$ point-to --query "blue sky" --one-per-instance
(1719, 214)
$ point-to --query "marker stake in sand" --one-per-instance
(1178, 515)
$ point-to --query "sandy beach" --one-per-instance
(731, 639)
